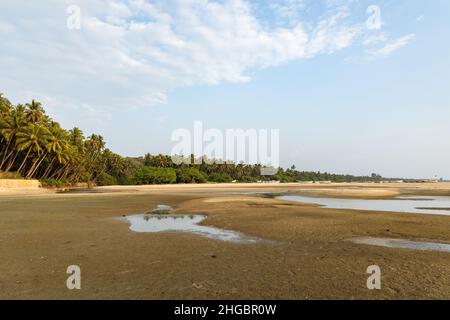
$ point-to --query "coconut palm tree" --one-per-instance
(56, 144)
(5, 106)
(76, 137)
(34, 112)
(32, 138)
(9, 127)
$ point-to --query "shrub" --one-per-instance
(105, 179)
(283, 178)
(124, 181)
(220, 177)
(248, 179)
(190, 175)
(53, 183)
(151, 175)
(10, 175)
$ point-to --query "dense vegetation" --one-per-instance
(32, 145)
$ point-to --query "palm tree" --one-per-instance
(32, 138)
(94, 148)
(35, 113)
(68, 160)
(9, 127)
(56, 144)
(76, 137)
(5, 106)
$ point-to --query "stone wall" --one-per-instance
(18, 184)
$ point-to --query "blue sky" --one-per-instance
(346, 98)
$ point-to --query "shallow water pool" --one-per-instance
(403, 244)
(422, 205)
(184, 223)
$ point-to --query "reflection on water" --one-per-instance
(183, 223)
(423, 205)
(82, 190)
(403, 244)
(256, 193)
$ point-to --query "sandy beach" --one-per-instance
(307, 254)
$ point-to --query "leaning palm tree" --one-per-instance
(9, 127)
(69, 159)
(33, 138)
(57, 140)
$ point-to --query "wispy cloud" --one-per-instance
(132, 53)
(391, 46)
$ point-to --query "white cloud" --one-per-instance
(375, 39)
(130, 54)
(288, 10)
(392, 46)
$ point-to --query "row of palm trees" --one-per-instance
(237, 171)
(34, 146)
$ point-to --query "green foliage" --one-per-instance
(152, 175)
(159, 161)
(284, 178)
(105, 179)
(53, 183)
(32, 145)
(248, 179)
(220, 177)
(190, 175)
(10, 175)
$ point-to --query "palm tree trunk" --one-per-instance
(38, 164)
(6, 155)
(47, 171)
(66, 172)
(5, 152)
(33, 164)
(6, 158)
(61, 173)
(11, 161)
(24, 161)
(55, 174)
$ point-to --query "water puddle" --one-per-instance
(90, 191)
(183, 223)
(424, 205)
(403, 244)
(256, 193)
(81, 191)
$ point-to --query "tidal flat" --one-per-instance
(307, 255)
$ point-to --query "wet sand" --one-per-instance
(308, 255)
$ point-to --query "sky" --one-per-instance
(353, 86)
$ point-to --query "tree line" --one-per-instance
(34, 146)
